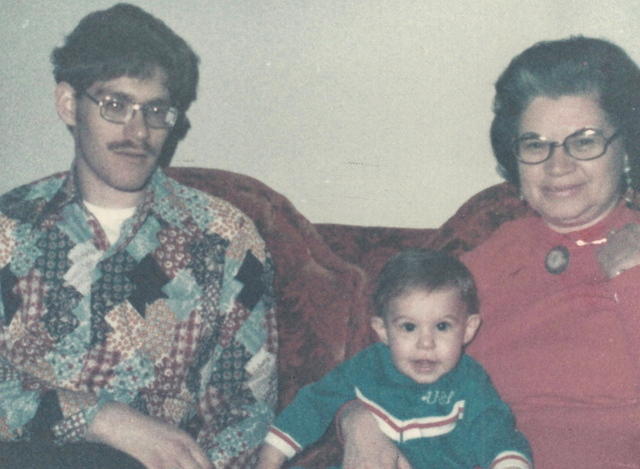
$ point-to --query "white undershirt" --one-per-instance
(111, 219)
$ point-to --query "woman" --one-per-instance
(558, 289)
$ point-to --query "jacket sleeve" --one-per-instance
(238, 381)
(313, 409)
(496, 440)
(18, 403)
(30, 406)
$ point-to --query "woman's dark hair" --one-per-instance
(426, 270)
(125, 40)
(574, 66)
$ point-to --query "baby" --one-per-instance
(434, 401)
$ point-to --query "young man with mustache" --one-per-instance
(136, 321)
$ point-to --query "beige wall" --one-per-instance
(365, 112)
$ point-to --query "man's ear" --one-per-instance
(65, 96)
(471, 328)
(377, 323)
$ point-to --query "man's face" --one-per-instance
(115, 160)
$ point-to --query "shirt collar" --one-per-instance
(69, 193)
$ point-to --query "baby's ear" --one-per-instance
(471, 328)
(377, 323)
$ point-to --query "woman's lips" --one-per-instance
(562, 191)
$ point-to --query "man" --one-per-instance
(136, 313)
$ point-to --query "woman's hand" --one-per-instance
(365, 446)
(154, 443)
(622, 250)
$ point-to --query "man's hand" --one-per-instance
(365, 446)
(151, 441)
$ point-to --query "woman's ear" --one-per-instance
(377, 323)
(65, 96)
(471, 328)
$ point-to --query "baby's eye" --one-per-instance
(443, 326)
(408, 327)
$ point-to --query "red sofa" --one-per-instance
(324, 273)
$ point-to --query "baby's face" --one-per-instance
(426, 332)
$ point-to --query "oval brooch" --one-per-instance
(557, 260)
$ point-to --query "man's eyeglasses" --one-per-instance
(585, 144)
(121, 111)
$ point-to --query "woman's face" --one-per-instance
(570, 194)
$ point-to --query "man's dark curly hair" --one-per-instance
(125, 40)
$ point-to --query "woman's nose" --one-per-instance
(560, 161)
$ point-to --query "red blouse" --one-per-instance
(563, 349)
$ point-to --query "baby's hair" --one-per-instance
(427, 270)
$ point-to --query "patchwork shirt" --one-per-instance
(175, 319)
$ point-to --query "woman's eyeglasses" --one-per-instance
(585, 144)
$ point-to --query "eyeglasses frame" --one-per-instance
(555, 144)
(132, 109)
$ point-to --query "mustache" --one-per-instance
(128, 145)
